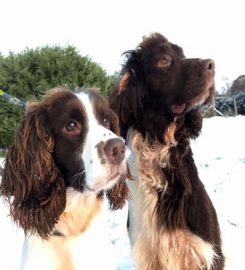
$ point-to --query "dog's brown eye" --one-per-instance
(106, 123)
(165, 61)
(71, 126)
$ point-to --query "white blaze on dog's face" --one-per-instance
(103, 152)
(87, 151)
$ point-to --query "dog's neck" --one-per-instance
(163, 178)
(147, 160)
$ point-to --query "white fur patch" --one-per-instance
(90, 249)
(96, 173)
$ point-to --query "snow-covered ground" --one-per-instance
(220, 156)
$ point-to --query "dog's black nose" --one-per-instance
(115, 150)
(209, 64)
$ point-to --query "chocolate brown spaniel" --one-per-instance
(172, 222)
(65, 159)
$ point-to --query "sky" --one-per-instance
(103, 30)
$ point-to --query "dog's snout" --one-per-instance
(115, 150)
(209, 65)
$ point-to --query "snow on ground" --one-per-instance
(220, 156)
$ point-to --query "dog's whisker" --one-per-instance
(76, 177)
(80, 171)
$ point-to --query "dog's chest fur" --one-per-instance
(70, 247)
(156, 248)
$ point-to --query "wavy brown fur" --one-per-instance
(31, 181)
(155, 80)
(118, 195)
(44, 158)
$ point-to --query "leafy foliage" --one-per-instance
(29, 74)
(230, 106)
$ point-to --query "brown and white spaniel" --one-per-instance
(65, 159)
(172, 222)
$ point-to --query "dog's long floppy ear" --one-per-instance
(189, 125)
(193, 123)
(31, 182)
(127, 97)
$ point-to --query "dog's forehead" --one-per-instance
(178, 50)
(98, 111)
(84, 98)
(60, 101)
(93, 104)
(93, 101)
(170, 48)
(159, 44)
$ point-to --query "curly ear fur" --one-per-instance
(189, 125)
(126, 99)
(193, 123)
(31, 182)
(118, 195)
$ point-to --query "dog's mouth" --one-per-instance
(178, 109)
(114, 174)
(204, 98)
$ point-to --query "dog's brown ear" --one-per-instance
(193, 123)
(126, 99)
(31, 182)
(118, 195)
